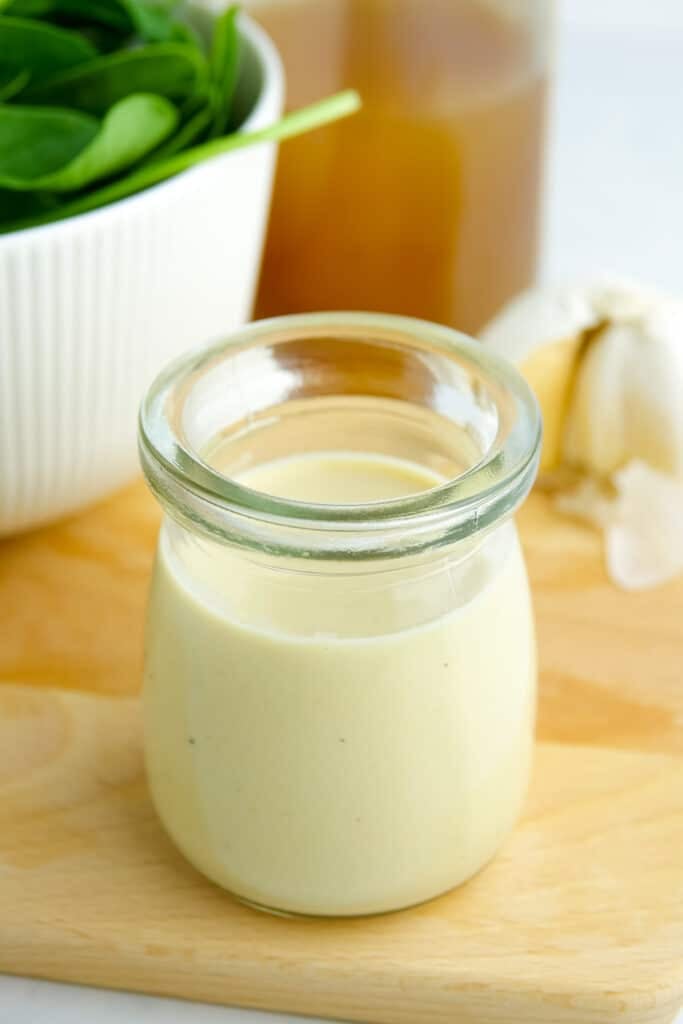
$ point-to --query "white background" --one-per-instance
(615, 203)
(615, 173)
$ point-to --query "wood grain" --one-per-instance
(579, 919)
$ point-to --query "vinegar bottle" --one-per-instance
(427, 202)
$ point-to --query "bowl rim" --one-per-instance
(268, 105)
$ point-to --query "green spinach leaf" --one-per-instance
(12, 84)
(40, 49)
(173, 70)
(197, 117)
(104, 38)
(131, 128)
(153, 21)
(27, 8)
(40, 140)
(224, 66)
(15, 205)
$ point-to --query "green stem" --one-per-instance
(314, 116)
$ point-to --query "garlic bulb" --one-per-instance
(606, 363)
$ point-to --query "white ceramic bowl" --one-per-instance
(91, 308)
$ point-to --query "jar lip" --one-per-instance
(491, 488)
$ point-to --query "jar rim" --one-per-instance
(197, 494)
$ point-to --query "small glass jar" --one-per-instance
(339, 694)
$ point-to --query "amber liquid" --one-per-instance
(425, 203)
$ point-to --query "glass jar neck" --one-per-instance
(388, 386)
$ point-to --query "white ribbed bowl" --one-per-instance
(91, 308)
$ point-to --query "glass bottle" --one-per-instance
(426, 203)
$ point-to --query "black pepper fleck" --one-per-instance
(191, 741)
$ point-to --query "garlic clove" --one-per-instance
(596, 432)
(550, 373)
(543, 333)
(626, 402)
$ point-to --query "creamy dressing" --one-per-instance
(333, 741)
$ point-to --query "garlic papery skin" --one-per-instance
(641, 517)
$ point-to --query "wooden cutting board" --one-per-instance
(579, 919)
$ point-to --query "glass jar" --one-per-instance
(426, 203)
(340, 666)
